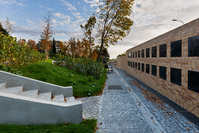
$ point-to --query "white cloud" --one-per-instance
(64, 19)
(50, 9)
(33, 24)
(93, 2)
(54, 21)
(72, 27)
(68, 5)
(11, 2)
(62, 16)
(3, 21)
(77, 15)
(27, 30)
(68, 34)
(84, 8)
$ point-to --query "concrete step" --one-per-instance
(30, 93)
(58, 98)
(2, 86)
(70, 99)
(45, 96)
(14, 90)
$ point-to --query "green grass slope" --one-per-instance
(87, 126)
(47, 72)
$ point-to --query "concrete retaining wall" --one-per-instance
(13, 80)
(21, 110)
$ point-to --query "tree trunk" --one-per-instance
(90, 46)
(100, 53)
(46, 53)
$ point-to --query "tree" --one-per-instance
(114, 22)
(105, 55)
(9, 26)
(54, 46)
(46, 35)
(87, 29)
(22, 42)
(86, 48)
(62, 48)
(72, 46)
(39, 46)
(32, 44)
(3, 31)
(94, 55)
(79, 48)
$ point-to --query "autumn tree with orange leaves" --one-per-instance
(32, 44)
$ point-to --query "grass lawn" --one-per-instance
(47, 72)
(87, 126)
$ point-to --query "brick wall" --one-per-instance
(177, 68)
(122, 62)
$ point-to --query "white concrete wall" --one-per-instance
(15, 109)
(13, 80)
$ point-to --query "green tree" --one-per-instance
(54, 46)
(114, 22)
(3, 31)
(105, 55)
(87, 29)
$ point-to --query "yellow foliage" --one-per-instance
(94, 55)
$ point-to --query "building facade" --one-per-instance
(169, 64)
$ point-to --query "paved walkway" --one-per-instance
(118, 111)
(127, 110)
(90, 106)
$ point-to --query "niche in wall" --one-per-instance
(193, 82)
(175, 76)
(163, 72)
(154, 70)
(163, 50)
(176, 48)
(193, 46)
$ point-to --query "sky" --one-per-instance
(151, 18)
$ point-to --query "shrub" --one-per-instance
(82, 65)
(14, 55)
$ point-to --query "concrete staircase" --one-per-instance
(37, 102)
(47, 96)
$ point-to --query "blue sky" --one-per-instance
(27, 15)
(151, 18)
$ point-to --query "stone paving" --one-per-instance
(90, 106)
(118, 112)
